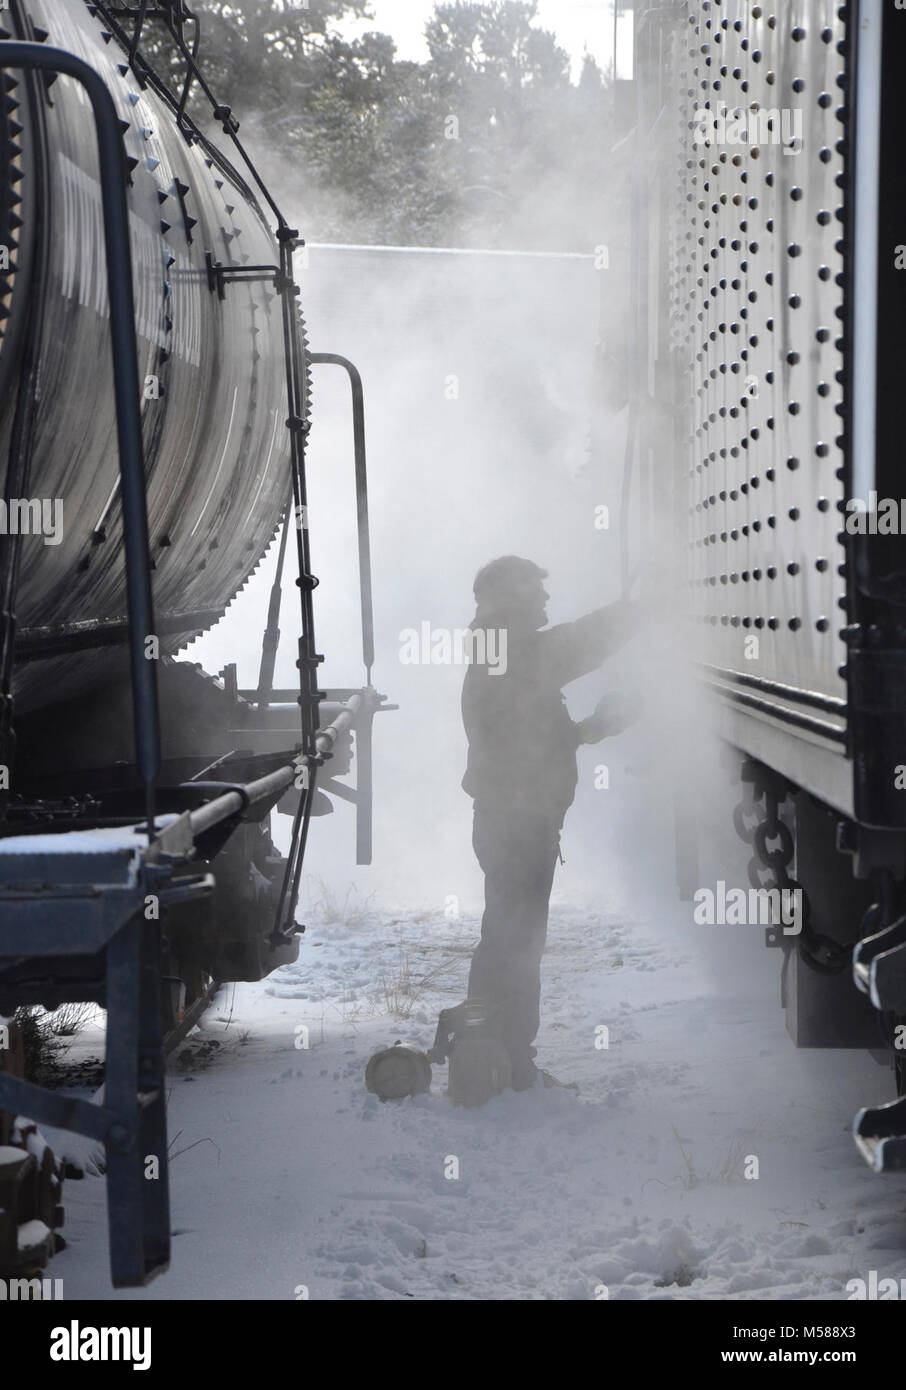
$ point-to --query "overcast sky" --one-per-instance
(578, 24)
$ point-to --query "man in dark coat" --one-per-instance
(522, 776)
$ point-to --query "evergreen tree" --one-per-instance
(486, 142)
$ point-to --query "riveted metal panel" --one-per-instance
(756, 321)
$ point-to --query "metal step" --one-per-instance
(877, 969)
(880, 1135)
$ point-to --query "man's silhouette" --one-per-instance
(522, 776)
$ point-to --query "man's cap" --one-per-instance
(506, 578)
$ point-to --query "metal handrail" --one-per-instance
(361, 481)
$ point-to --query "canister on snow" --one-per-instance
(398, 1071)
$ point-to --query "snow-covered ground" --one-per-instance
(289, 1180)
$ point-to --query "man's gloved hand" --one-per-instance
(613, 713)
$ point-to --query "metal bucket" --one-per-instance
(398, 1071)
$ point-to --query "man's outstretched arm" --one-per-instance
(576, 648)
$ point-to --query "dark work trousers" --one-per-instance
(518, 852)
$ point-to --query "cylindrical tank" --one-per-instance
(213, 382)
(397, 1072)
